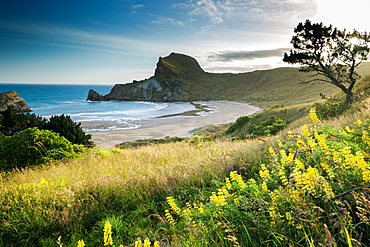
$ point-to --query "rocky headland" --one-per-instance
(179, 77)
(12, 98)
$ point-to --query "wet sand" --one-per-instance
(181, 125)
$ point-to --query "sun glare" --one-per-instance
(344, 14)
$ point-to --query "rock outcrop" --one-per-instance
(12, 98)
(179, 77)
(94, 96)
(167, 84)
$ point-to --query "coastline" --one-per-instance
(179, 125)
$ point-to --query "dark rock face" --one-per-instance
(166, 85)
(12, 98)
(94, 96)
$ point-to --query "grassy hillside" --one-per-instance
(130, 189)
(264, 88)
(279, 190)
(291, 189)
(179, 77)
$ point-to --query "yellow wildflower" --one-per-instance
(264, 187)
(283, 176)
(238, 178)
(138, 243)
(146, 242)
(279, 143)
(271, 151)
(201, 210)
(305, 131)
(365, 137)
(348, 129)
(236, 201)
(366, 177)
(218, 198)
(43, 183)
(228, 184)
(80, 243)
(108, 233)
(300, 143)
(315, 120)
(264, 173)
(290, 133)
(169, 217)
(328, 170)
(322, 143)
(173, 205)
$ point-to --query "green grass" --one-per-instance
(272, 200)
(130, 189)
(73, 199)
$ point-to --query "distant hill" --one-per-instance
(179, 77)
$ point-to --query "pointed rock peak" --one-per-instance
(94, 96)
(177, 64)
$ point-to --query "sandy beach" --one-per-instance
(209, 113)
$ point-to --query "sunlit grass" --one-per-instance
(275, 191)
(311, 191)
(72, 197)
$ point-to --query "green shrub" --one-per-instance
(65, 126)
(239, 123)
(269, 127)
(33, 147)
(329, 110)
(12, 122)
(277, 106)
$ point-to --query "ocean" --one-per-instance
(47, 100)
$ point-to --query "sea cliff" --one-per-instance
(12, 98)
(169, 83)
(179, 77)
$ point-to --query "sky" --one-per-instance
(118, 41)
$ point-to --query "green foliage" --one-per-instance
(239, 123)
(312, 191)
(12, 122)
(329, 110)
(286, 114)
(329, 52)
(277, 106)
(199, 139)
(296, 193)
(65, 126)
(269, 127)
(33, 147)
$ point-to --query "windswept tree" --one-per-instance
(333, 54)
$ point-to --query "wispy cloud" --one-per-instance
(137, 6)
(209, 8)
(237, 69)
(228, 11)
(227, 56)
(53, 35)
(167, 20)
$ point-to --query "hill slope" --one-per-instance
(179, 77)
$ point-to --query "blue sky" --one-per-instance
(118, 41)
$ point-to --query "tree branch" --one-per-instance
(344, 193)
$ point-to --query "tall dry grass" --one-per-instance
(71, 198)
